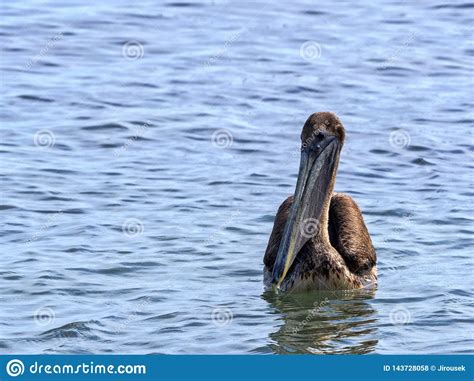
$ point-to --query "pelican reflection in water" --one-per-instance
(319, 239)
(336, 322)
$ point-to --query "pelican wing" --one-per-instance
(277, 232)
(349, 235)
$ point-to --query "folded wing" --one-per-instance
(349, 235)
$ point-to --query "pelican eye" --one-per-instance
(320, 135)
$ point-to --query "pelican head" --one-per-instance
(321, 142)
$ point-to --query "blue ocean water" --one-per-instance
(145, 148)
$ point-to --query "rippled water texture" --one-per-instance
(145, 148)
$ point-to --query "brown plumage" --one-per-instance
(320, 241)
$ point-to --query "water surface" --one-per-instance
(146, 147)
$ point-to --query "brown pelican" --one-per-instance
(319, 239)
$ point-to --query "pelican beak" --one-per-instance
(318, 161)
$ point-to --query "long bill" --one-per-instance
(317, 165)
